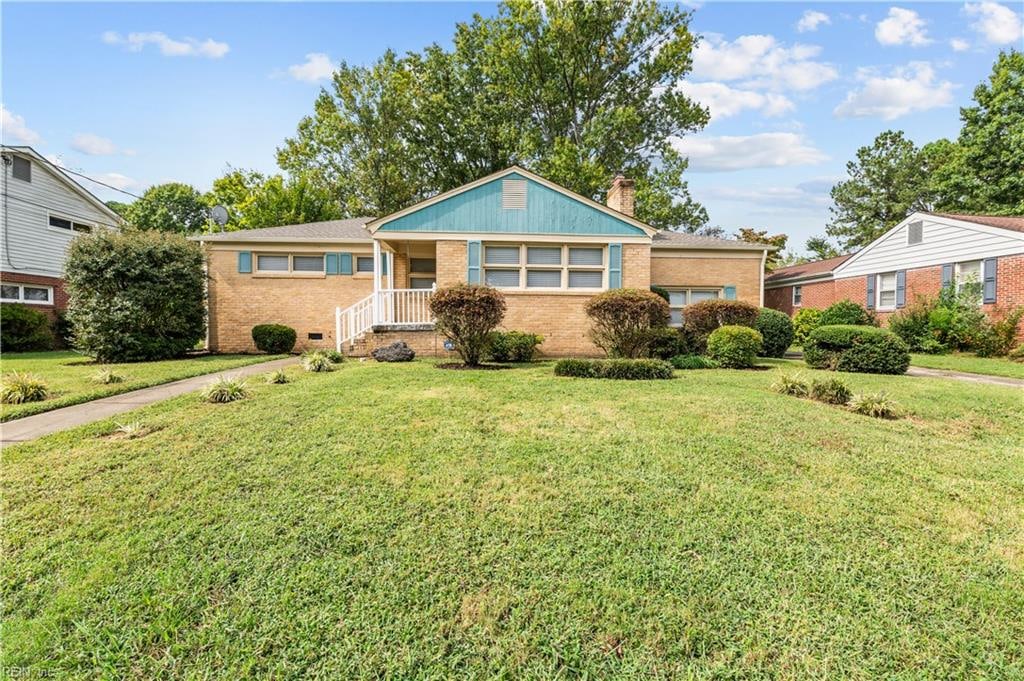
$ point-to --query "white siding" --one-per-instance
(35, 247)
(945, 241)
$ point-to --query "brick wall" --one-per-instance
(636, 266)
(682, 269)
(237, 302)
(60, 296)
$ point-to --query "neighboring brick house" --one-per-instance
(43, 210)
(916, 258)
(356, 284)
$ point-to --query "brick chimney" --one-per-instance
(622, 194)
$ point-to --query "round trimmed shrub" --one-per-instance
(776, 329)
(805, 321)
(273, 339)
(622, 319)
(514, 346)
(735, 347)
(701, 319)
(859, 349)
(847, 312)
(666, 342)
(23, 329)
(466, 315)
(135, 296)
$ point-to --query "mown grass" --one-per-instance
(964, 361)
(400, 521)
(69, 376)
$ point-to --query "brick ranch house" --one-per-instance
(915, 258)
(360, 283)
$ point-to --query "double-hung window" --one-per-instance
(26, 293)
(886, 291)
(968, 277)
(678, 298)
(545, 266)
(798, 295)
(282, 263)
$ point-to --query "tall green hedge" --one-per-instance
(135, 296)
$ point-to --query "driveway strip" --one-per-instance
(31, 427)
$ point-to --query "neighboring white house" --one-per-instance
(43, 210)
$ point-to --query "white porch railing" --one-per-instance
(386, 306)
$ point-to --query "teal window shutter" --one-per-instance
(730, 292)
(245, 262)
(345, 263)
(331, 263)
(947, 275)
(384, 263)
(988, 280)
(614, 265)
(473, 260)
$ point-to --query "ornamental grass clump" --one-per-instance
(317, 361)
(877, 405)
(466, 315)
(19, 387)
(278, 377)
(225, 389)
(107, 377)
(791, 384)
(830, 391)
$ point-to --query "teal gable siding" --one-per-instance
(479, 210)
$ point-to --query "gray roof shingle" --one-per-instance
(350, 229)
(667, 238)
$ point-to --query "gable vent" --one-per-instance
(513, 194)
(915, 233)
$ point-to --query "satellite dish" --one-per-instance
(219, 214)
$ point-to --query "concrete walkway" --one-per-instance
(31, 427)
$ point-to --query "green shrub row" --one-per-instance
(861, 349)
(513, 346)
(620, 369)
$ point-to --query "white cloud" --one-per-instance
(764, 150)
(760, 61)
(187, 47)
(907, 89)
(94, 145)
(117, 180)
(811, 20)
(959, 45)
(998, 23)
(902, 27)
(724, 101)
(13, 128)
(806, 196)
(318, 66)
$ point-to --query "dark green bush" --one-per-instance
(665, 342)
(861, 349)
(701, 319)
(999, 333)
(805, 321)
(847, 312)
(514, 346)
(830, 391)
(466, 315)
(23, 329)
(620, 369)
(686, 362)
(135, 296)
(62, 331)
(912, 324)
(663, 292)
(776, 329)
(1017, 354)
(622, 319)
(273, 339)
(735, 347)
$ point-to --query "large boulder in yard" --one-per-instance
(398, 351)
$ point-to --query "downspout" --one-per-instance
(376, 282)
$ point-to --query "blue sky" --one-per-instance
(137, 94)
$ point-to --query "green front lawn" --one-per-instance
(69, 376)
(400, 521)
(964, 361)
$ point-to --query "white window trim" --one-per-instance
(564, 267)
(688, 291)
(800, 302)
(291, 271)
(63, 216)
(878, 291)
(21, 294)
(958, 279)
